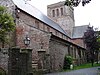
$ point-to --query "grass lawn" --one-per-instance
(87, 65)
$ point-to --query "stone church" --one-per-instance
(52, 37)
(64, 16)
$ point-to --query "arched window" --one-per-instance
(57, 12)
(61, 11)
(53, 13)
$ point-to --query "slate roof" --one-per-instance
(37, 14)
(78, 31)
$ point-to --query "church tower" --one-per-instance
(63, 15)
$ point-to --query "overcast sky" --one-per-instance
(90, 13)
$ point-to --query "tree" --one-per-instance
(75, 3)
(7, 24)
(98, 44)
(90, 39)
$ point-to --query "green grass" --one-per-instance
(87, 65)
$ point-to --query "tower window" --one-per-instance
(57, 12)
(62, 11)
(53, 13)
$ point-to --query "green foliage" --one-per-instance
(67, 62)
(91, 39)
(75, 3)
(2, 72)
(98, 39)
(87, 65)
(7, 24)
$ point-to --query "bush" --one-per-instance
(2, 72)
(67, 62)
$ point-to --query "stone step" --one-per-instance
(35, 64)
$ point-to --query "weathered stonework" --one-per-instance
(65, 18)
(39, 39)
(48, 52)
(58, 50)
(4, 59)
(79, 42)
(49, 45)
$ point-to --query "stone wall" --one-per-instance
(4, 59)
(25, 25)
(20, 61)
(66, 23)
(48, 52)
(58, 49)
(65, 18)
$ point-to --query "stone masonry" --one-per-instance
(58, 50)
(65, 17)
(4, 60)
(49, 46)
(39, 38)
